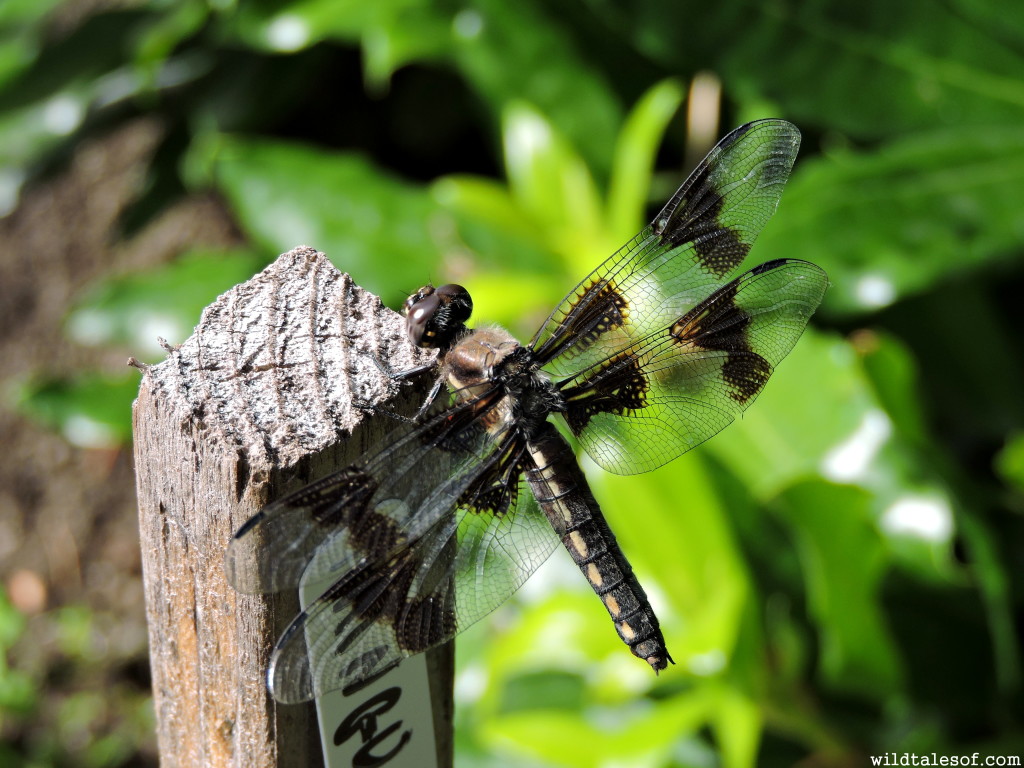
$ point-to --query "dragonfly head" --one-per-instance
(435, 318)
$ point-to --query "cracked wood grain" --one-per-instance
(257, 402)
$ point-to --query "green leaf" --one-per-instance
(635, 152)
(20, 12)
(844, 559)
(91, 410)
(931, 207)
(158, 41)
(497, 46)
(883, 69)
(384, 231)
(890, 366)
(501, 235)
(12, 622)
(738, 722)
(631, 736)
(416, 34)
(134, 310)
(550, 181)
(1010, 461)
(392, 32)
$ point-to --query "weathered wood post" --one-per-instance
(255, 403)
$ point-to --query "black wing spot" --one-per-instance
(596, 310)
(720, 324)
(496, 490)
(606, 309)
(343, 500)
(746, 374)
(495, 498)
(382, 595)
(717, 247)
(374, 534)
(619, 386)
(424, 623)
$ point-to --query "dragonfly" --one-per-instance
(650, 355)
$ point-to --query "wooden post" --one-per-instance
(257, 402)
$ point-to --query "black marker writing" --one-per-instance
(363, 720)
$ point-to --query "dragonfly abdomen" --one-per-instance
(562, 492)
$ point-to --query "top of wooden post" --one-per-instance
(275, 363)
(258, 401)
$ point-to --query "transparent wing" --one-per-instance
(364, 511)
(685, 254)
(411, 546)
(465, 565)
(673, 389)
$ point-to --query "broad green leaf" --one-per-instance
(635, 152)
(566, 629)
(890, 366)
(503, 245)
(884, 69)
(550, 181)
(384, 231)
(134, 310)
(738, 722)
(25, 12)
(498, 47)
(844, 559)
(633, 736)
(894, 222)
(391, 32)
(288, 27)
(90, 410)
(1010, 461)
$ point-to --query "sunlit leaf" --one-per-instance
(550, 181)
(932, 207)
(1010, 461)
(845, 560)
(136, 310)
(635, 152)
(636, 736)
(880, 70)
(91, 410)
(385, 231)
(498, 45)
(738, 722)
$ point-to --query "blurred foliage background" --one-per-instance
(838, 575)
